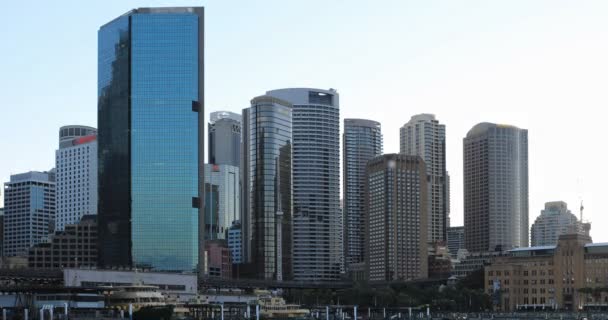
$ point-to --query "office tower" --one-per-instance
(222, 199)
(76, 165)
(225, 138)
(29, 211)
(554, 221)
(235, 242)
(269, 187)
(455, 240)
(219, 264)
(246, 226)
(495, 188)
(150, 136)
(362, 141)
(396, 205)
(317, 223)
(62, 252)
(424, 136)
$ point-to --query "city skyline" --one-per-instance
(530, 60)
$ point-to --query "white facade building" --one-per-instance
(76, 164)
(222, 199)
(554, 221)
(424, 136)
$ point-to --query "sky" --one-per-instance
(540, 65)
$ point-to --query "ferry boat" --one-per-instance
(275, 307)
(138, 296)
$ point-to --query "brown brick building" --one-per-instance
(74, 247)
(571, 275)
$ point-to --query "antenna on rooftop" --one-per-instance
(582, 208)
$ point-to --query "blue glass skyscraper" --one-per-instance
(150, 95)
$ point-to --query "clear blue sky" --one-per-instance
(540, 65)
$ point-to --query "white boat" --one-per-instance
(136, 295)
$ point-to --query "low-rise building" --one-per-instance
(219, 264)
(74, 247)
(571, 275)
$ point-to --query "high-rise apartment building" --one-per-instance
(317, 222)
(225, 138)
(554, 221)
(269, 187)
(29, 211)
(222, 199)
(362, 141)
(396, 202)
(424, 136)
(76, 165)
(150, 136)
(495, 188)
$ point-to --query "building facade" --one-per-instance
(150, 136)
(396, 202)
(424, 136)
(317, 223)
(1, 231)
(455, 240)
(235, 242)
(495, 188)
(554, 221)
(269, 187)
(219, 264)
(29, 211)
(73, 247)
(569, 275)
(222, 199)
(224, 134)
(76, 165)
(362, 141)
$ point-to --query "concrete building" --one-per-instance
(467, 263)
(29, 211)
(495, 188)
(150, 138)
(455, 240)
(76, 165)
(362, 141)
(269, 188)
(181, 287)
(317, 222)
(224, 133)
(568, 275)
(554, 221)
(245, 170)
(396, 206)
(424, 136)
(219, 264)
(222, 199)
(235, 242)
(74, 247)
(439, 261)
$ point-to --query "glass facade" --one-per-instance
(317, 219)
(362, 141)
(150, 156)
(270, 141)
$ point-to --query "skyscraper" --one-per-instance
(424, 136)
(151, 122)
(362, 140)
(396, 203)
(76, 165)
(495, 188)
(455, 240)
(29, 211)
(222, 199)
(269, 187)
(554, 221)
(225, 138)
(317, 221)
